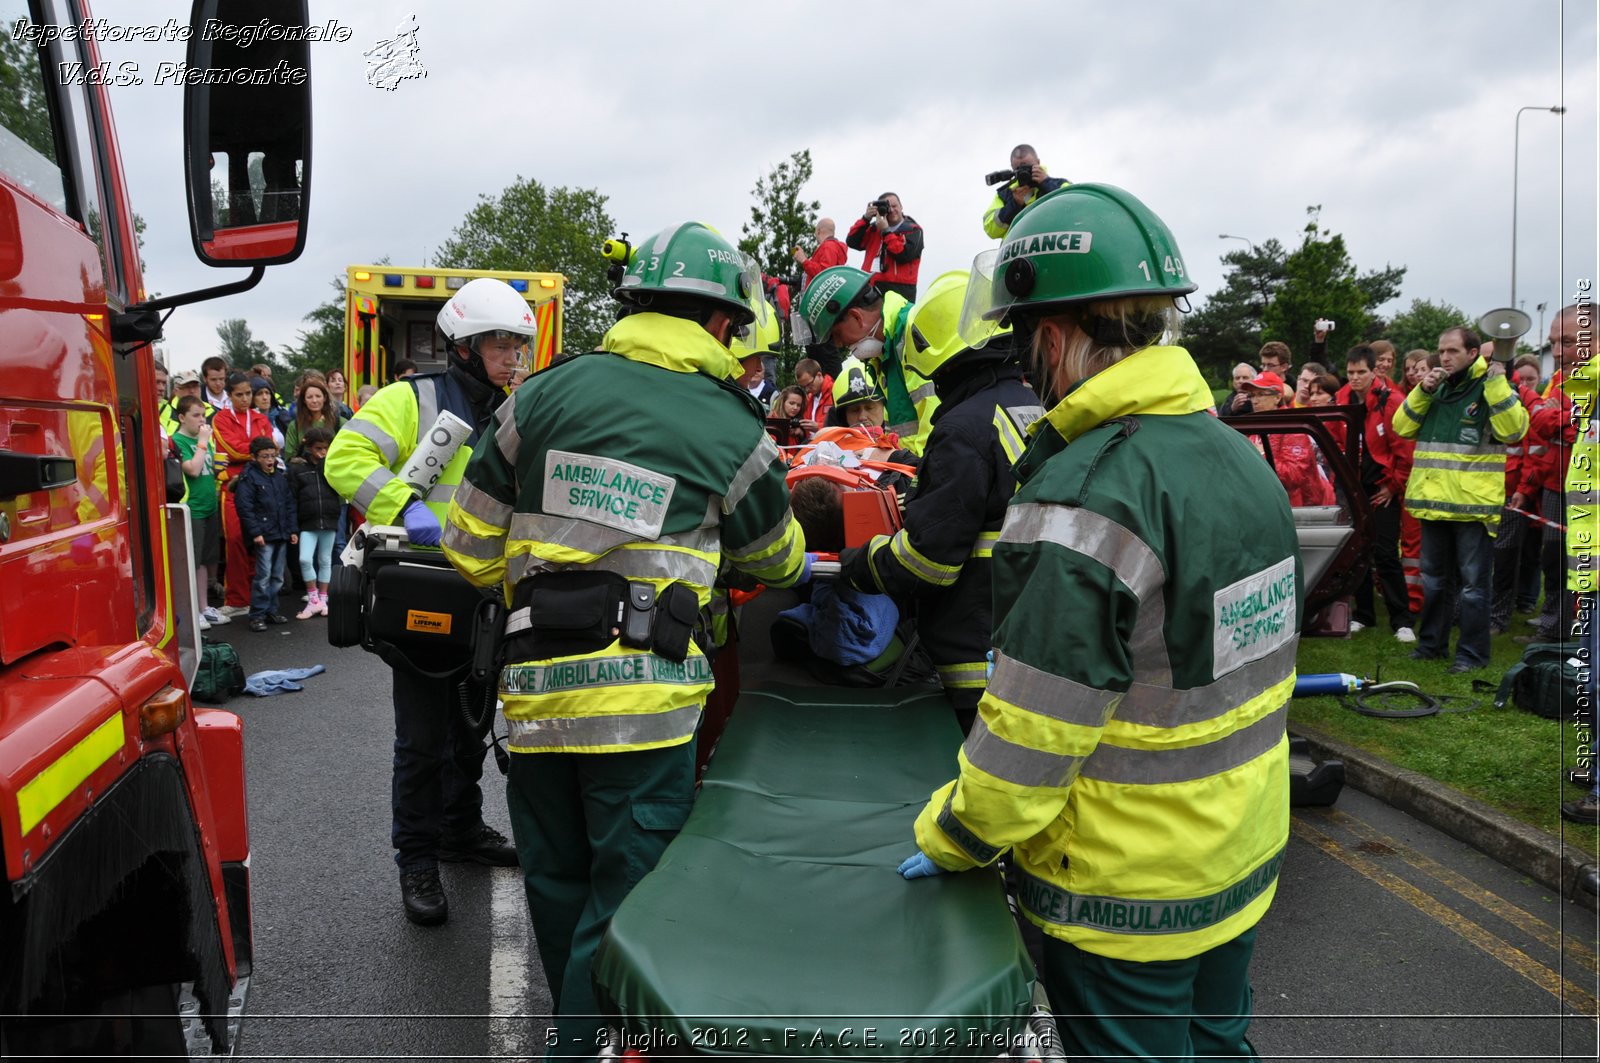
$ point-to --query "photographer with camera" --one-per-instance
(1024, 182)
(893, 243)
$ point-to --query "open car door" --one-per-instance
(1335, 538)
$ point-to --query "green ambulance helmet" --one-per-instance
(825, 299)
(692, 259)
(855, 383)
(935, 337)
(1078, 244)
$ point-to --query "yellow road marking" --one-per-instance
(1572, 995)
(1517, 917)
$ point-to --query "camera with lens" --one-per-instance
(1023, 175)
(881, 206)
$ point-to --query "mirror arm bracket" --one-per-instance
(141, 322)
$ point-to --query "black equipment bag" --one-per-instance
(220, 675)
(419, 607)
(1546, 681)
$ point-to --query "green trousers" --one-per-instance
(588, 827)
(1169, 1011)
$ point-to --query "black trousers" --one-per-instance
(1386, 563)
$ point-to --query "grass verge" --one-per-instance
(1507, 758)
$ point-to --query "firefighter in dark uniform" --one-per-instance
(940, 558)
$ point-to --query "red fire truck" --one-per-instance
(125, 917)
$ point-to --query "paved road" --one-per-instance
(1388, 940)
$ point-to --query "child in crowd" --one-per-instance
(192, 440)
(318, 508)
(266, 404)
(267, 519)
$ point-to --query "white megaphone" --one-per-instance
(1504, 326)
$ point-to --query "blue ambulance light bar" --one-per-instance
(519, 283)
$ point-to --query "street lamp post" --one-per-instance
(1516, 144)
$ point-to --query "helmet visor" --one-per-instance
(799, 329)
(754, 296)
(980, 316)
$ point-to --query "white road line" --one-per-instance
(511, 1031)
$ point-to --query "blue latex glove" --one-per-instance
(422, 527)
(805, 569)
(919, 866)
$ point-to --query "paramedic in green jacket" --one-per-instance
(586, 504)
(1130, 750)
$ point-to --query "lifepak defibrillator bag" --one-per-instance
(420, 605)
(1546, 682)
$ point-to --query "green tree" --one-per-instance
(1226, 330)
(780, 220)
(1321, 282)
(1421, 324)
(23, 109)
(531, 227)
(240, 349)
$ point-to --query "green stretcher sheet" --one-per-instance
(776, 923)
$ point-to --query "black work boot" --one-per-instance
(482, 844)
(424, 897)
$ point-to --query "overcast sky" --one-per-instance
(1225, 117)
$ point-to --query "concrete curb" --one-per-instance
(1570, 871)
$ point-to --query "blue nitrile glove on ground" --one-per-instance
(279, 681)
(919, 866)
(422, 527)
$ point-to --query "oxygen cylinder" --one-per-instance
(438, 446)
(1319, 683)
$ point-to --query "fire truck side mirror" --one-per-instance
(247, 130)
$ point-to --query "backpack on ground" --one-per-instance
(1546, 681)
(220, 675)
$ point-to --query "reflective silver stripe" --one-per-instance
(1150, 767)
(482, 505)
(1023, 416)
(441, 493)
(765, 541)
(1454, 507)
(1536, 448)
(1494, 467)
(1163, 706)
(759, 461)
(695, 284)
(383, 440)
(905, 429)
(1503, 405)
(924, 392)
(1057, 697)
(665, 239)
(980, 851)
(427, 406)
(506, 435)
(1135, 564)
(1461, 448)
(367, 493)
(1011, 440)
(651, 563)
(569, 533)
(925, 569)
(1022, 765)
(1119, 915)
(1086, 532)
(638, 729)
(463, 542)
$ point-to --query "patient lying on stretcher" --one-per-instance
(845, 636)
